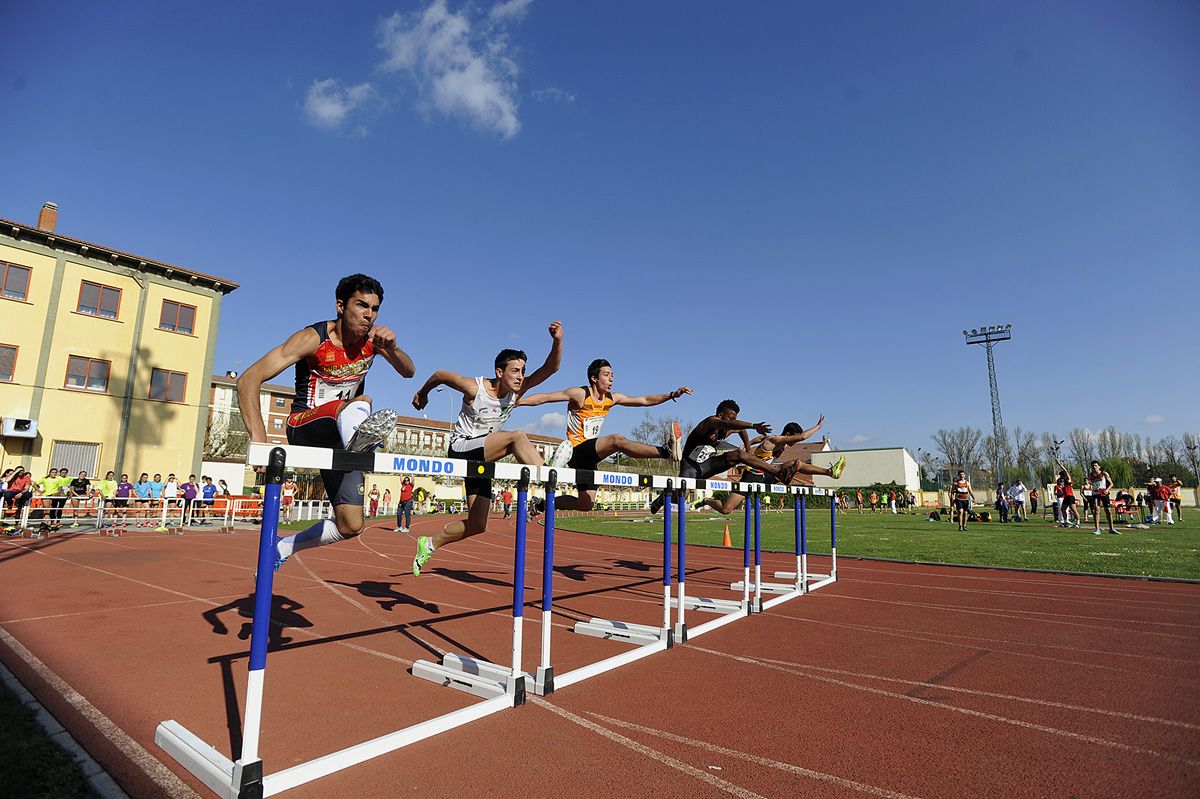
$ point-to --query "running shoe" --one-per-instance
(278, 562)
(1114, 532)
(698, 504)
(838, 467)
(672, 445)
(1096, 531)
(562, 455)
(162, 529)
(424, 553)
(373, 431)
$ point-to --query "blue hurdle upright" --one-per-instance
(801, 581)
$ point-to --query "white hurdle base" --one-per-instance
(815, 580)
(708, 604)
(621, 631)
(766, 588)
(210, 766)
(478, 677)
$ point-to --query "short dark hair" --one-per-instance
(728, 405)
(595, 366)
(357, 282)
(792, 429)
(506, 355)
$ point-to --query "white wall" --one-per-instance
(868, 466)
(234, 474)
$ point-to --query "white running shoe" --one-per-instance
(562, 455)
(373, 431)
(673, 439)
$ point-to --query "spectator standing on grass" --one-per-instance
(859, 499)
(506, 500)
(1016, 493)
(1162, 501)
(1002, 502)
(373, 501)
(288, 494)
(874, 501)
(1174, 483)
(1058, 499)
(1033, 501)
(404, 507)
(892, 501)
(1068, 499)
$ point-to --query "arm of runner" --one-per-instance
(566, 395)
(442, 377)
(647, 400)
(553, 360)
(384, 341)
(299, 345)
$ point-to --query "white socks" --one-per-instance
(350, 418)
(322, 533)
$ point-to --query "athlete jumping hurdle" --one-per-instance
(329, 408)
(768, 448)
(585, 448)
(486, 405)
(703, 456)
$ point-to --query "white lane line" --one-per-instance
(1010, 616)
(653, 754)
(976, 692)
(962, 710)
(841, 782)
(941, 642)
(92, 611)
(151, 766)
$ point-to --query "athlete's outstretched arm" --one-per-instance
(553, 360)
(384, 341)
(444, 377)
(566, 395)
(649, 399)
(787, 441)
(299, 345)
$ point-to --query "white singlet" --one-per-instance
(483, 415)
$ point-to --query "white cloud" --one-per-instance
(1152, 419)
(329, 102)
(509, 9)
(553, 94)
(549, 424)
(459, 62)
(860, 439)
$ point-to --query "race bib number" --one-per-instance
(592, 425)
(701, 454)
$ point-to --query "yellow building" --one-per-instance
(105, 356)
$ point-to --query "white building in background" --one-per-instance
(869, 466)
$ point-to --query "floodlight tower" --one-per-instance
(989, 336)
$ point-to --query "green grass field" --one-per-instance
(1160, 551)
(33, 765)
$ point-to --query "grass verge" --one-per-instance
(34, 766)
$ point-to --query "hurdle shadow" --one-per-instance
(470, 577)
(389, 598)
(284, 615)
(632, 565)
(575, 572)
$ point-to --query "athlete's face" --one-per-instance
(604, 380)
(359, 312)
(512, 376)
(727, 415)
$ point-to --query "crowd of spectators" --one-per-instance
(41, 503)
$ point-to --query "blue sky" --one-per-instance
(798, 205)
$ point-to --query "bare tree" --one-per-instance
(960, 447)
(1191, 443)
(1170, 448)
(1027, 448)
(654, 429)
(1128, 450)
(1108, 443)
(1081, 444)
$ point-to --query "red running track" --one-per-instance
(896, 681)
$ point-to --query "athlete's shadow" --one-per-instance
(388, 596)
(633, 565)
(284, 615)
(470, 577)
(574, 572)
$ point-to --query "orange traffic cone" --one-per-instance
(726, 542)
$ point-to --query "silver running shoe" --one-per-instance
(562, 455)
(373, 431)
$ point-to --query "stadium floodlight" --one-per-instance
(989, 337)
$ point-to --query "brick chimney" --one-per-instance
(48, 218)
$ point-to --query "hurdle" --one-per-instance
(499, 686)
(802, 581)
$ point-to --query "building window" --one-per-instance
(441, 441)
(87, 374)
(14, 281)
(98, 300)
(177, 317)
(279, 402)
(8, 362)
(167, 386)
(277, 424)
(76, 456)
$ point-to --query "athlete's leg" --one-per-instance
(475, 523)
(781, 473)
(726, 507)
(500, 443)
(585, 501)
(608, 445)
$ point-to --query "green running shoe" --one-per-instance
(838, 467)
(424, 553)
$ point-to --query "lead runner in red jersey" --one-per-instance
(330, 407)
